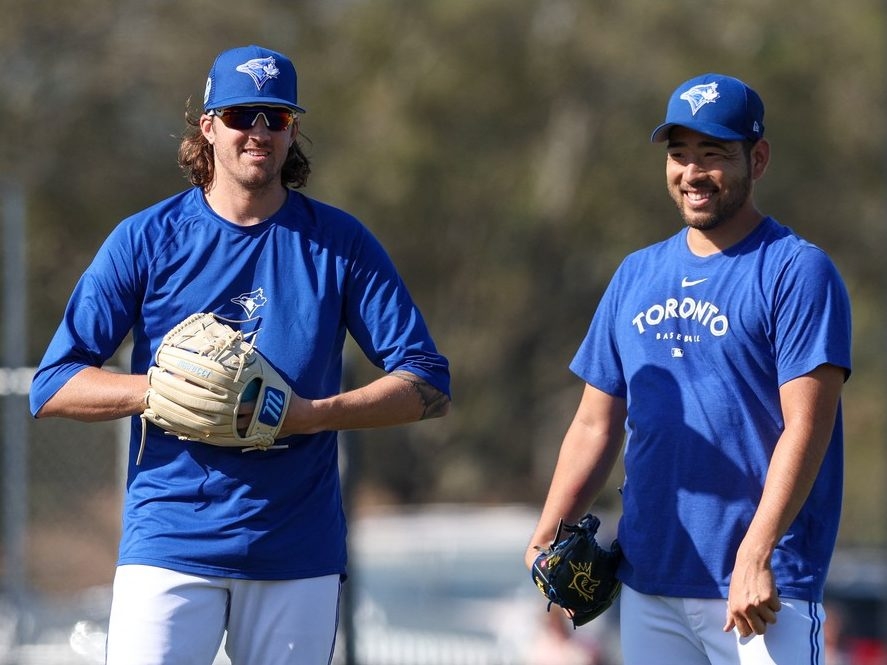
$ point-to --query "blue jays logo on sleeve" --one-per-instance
(700, 95)
(261, 70)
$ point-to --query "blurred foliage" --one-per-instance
(499, 149)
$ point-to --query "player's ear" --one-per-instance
(206, 127)
(760, 158)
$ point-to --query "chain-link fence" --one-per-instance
(68, 476)
(62, 489)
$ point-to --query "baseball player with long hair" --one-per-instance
(221, 539)
(717, 357)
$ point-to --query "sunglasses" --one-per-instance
(277, 118)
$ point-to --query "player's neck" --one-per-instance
(705, 242)
(245, 207)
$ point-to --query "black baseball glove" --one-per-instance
(578, 574)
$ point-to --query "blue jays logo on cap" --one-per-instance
(719, 106)
(251, 75)
(700, 95)
(260, 69)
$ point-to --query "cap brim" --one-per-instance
(709, 129)
(255, 101)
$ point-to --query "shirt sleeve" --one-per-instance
(385, 321)
(812, 316)
(597, 361)
(97, 318)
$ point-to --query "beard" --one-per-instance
(728, 202)
(251, 177)
(257, 181)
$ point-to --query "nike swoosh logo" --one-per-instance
(691, 282)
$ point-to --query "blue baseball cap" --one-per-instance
(715, 105)
(251, 75)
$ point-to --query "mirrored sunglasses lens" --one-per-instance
(277, 119)
(237, 119)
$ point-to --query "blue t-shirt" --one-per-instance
(302, 278)
(698, 347)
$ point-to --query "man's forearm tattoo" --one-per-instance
(434, 402)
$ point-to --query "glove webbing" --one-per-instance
(561, 525)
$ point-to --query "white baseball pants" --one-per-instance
(658, 630)
(162, 617)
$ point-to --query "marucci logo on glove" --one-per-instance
(273, 403)
(191, 368)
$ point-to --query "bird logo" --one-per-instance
(700, 95)
(261, 70)
(251, 301)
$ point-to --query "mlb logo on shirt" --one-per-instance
(677, 353)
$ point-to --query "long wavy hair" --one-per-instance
(196, 157)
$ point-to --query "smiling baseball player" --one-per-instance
(233, 516)
(718, 357)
